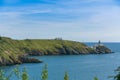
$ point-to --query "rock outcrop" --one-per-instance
(29, 60)
(102, 49)
(20, 60)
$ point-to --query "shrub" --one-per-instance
(44, 75)
(66, 77)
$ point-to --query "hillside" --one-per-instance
(15, 51)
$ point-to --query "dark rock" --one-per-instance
(29, 60)
(35, 53)
(32, 52)
(102, 49)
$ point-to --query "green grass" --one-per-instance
(11, 49)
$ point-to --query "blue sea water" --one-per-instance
(79, 67)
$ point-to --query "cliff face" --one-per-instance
(12, 51)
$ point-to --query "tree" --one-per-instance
(0, 38)
(17, 72)
(117, 77)
(25, 75)
(44, 75)
(95, 78)
(66, 77)
(2, 76)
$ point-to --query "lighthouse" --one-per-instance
(99, 43)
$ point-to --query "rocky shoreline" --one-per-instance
(16, 51)
(29, 60)
(21, 60)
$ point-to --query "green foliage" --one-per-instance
(44, 75)
(17, 72)
(66, 77)
(117, 77)
(25, 75)
(2, 76)
(95, 78)
(0, 38)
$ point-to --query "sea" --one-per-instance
(78, 67)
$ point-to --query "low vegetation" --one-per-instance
(44, 75)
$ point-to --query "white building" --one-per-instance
(98, 44)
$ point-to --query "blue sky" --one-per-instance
(80, 20)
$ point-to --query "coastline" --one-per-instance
(16, 51)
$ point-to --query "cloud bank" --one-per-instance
(81, 20)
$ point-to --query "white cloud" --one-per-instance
(99, 22)
(17, 13)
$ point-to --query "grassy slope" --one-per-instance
(48, 47)
(10, 49)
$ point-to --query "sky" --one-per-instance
(78, 20)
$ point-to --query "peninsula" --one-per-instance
(16, 51)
